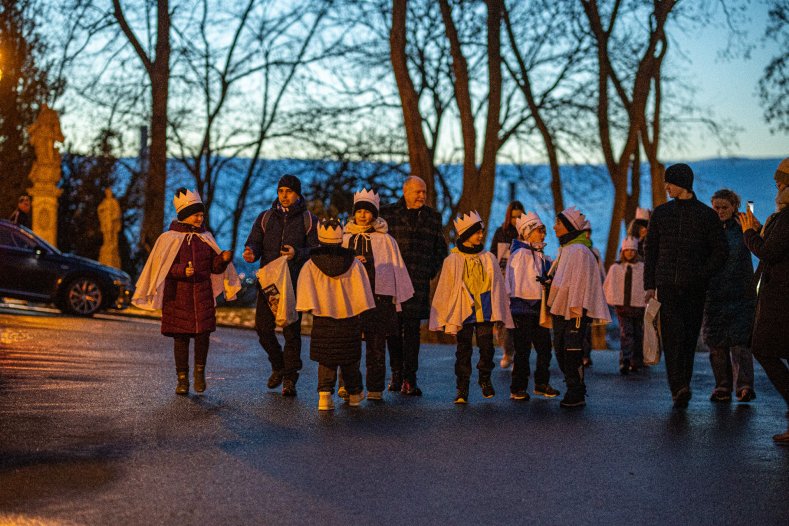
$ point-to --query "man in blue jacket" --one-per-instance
(685, 246)
(286, 229)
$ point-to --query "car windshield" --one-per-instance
(37, 240)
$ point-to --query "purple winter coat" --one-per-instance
(188, 304)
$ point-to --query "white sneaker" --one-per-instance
(355, 400)
(325, 402)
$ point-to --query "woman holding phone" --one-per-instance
(771, 245)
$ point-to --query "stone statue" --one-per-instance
(110, 221)
(45, 174)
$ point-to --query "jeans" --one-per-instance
(631, 338)
(681, 313)
(527, 332)
(464, 351)
(327, 378)
(404, 348)
(730, 365)
(289, 360)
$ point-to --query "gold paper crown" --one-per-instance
(462, 223)
(368, 196)
(330, 232)
(181, 201)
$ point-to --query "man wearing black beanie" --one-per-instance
(286, 229)
(685, 246)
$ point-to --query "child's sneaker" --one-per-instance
(355, 400)
(487, 388)
(520, 394)
(743, 395)
(462, 396)
(546, 390)
(288, 388)
(375, 395)
(342, 392)
(325, 402)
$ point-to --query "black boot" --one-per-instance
(199, 378)
(182, 388)
(396, 383)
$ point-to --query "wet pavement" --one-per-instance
(91, 432)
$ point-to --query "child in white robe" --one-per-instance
(624, 290)
(334, 287)
(526, 269)
(576, 298)
(469, 299)
(366, 235)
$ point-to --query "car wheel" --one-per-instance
(82, 297)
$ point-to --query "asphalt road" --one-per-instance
(91, 432)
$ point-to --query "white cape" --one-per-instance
(453, 303)
(149, 291)
(520, 277)
(576, 285)
(345, 296)
(614, 285)
(391, 276)
(275, 282)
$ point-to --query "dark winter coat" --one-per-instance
(772, 274)
(19, 217)
(188, 303)
(284, 228)
(335, 341)
(731, 302)
(502, 235)
(422, 244)
(685, 246)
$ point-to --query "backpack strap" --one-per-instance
(265, 219)
(307, 216)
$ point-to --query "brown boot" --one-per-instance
(199, 378)
(182, 388)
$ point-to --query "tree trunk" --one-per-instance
(418, 152)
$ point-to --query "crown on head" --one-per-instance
(576, 218)
(330, 232)
(368, 196)
(184, 199)
(643, 213)
(527, 222)
(630, 243)
(464, 222)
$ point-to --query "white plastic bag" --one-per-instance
(652, 340)
(277, 286)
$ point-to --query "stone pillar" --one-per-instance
(45, 174)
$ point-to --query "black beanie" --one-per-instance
(680, 175)
(290, 181)
(188, 210)
(365, 205)
(470, 231)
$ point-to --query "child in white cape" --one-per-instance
(470, 298)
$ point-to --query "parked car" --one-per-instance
(31, 269)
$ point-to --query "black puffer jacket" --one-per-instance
(335, 341)
(731, 302)
(502, 235)
(284, 229)
(420, 237)
(685, 245)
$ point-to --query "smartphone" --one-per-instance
(750, 207)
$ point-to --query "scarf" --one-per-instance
(476, 249)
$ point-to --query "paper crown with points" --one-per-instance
(629, 243)
(367, 196)
(184, 198)
(527, 223)
(576, 218)
(643, 214)
(466, 221)
(330, 232)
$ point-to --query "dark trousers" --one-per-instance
(732, 367)
(464, 351)
(568, 342)
(181, 350)
(631, 338)
(527, 332)
(681, 313)
(288, 360)
(777, 370)
(404, 347)
(375, 358)
(327, 378)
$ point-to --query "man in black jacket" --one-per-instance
(417, 229)
(685, 246)
(21, 215)
(286, 229)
